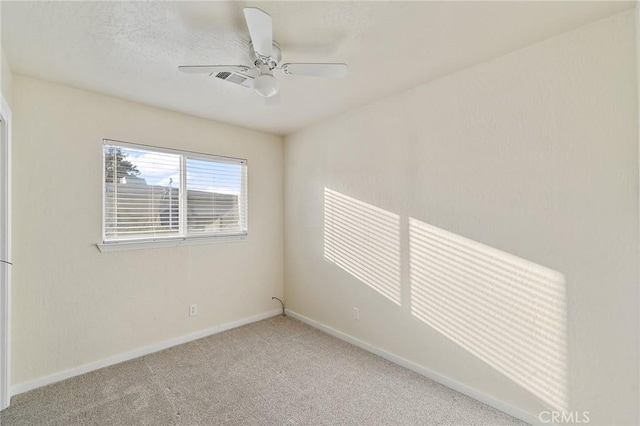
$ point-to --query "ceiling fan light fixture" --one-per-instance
(266, 85)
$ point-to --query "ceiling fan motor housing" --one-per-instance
(272, 61)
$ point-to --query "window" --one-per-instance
(156, 194)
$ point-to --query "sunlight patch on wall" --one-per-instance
(507, 311)
(363, 240)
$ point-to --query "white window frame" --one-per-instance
(175, 240)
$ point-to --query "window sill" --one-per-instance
(167, 242)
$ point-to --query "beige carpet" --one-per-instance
(273, 372)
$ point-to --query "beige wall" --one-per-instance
(73, 304)
(5, 73)
(6, 78)
(534, 155)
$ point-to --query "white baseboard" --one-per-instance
(453, 384)
(76, 371)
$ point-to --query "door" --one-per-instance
(5, 249)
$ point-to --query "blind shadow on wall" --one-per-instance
(507, 311)
(364, 241)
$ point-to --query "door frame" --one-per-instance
(5, 252)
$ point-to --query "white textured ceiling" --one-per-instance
(132, 49)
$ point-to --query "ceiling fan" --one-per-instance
(267, 55)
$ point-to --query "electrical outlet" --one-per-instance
(356, 313)
(193, 310)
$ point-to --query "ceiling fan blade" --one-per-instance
(273, 100)
(208, 69)
(260, 30)
(317, 70)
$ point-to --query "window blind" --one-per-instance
(152, 193)
(213, 196)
